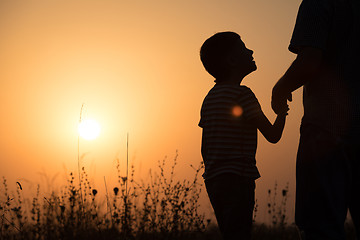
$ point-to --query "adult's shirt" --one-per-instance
(331, 97)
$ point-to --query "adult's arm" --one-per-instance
(300, 72)
(309, 40)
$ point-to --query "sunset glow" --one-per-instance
(89, 129)
(135, 66)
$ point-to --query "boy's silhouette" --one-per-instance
(326, 41)
(230, 117)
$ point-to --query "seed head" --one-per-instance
(19, 185)
(94, 192)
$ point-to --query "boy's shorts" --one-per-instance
(232, 198)
(327, 183)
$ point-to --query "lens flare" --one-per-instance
(237, 111)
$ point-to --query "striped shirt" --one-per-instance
(332, 98)
(229, 139)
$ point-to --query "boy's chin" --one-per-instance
(253, 68)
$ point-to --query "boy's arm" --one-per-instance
(272, 132)
(253, 113)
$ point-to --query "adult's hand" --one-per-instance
(301, 70)
(279, 100)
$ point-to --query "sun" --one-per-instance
(89, 129)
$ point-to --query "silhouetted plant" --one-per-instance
(161, 208)
(276, 212)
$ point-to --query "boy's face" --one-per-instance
(242, 59)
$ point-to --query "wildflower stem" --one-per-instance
(127, 162)
(107, 201)
(81, 197)
(11, 224)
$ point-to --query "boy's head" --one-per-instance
(224, 53)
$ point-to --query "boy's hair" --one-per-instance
(215, 50)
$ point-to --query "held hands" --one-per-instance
(283, 111)
(279, 102)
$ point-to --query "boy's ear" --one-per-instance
(231, 60)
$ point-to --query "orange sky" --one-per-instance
(135, 65)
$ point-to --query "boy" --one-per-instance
(230, 117)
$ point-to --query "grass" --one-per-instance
(162, 208)
(159, 209)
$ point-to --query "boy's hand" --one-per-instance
(284, 111)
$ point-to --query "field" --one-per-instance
(163, 208)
